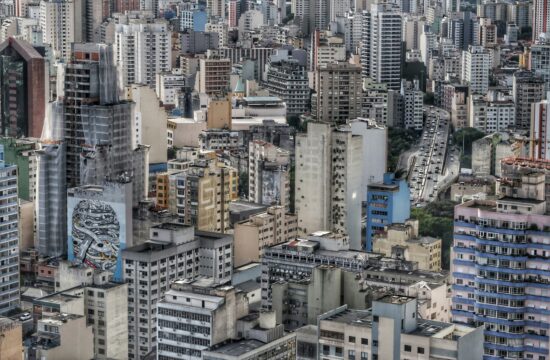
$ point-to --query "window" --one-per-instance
(407, 348)
(351, 354)
(364, 341)
(375, 318)
(351, 339)
(420, 350)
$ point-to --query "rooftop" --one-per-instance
(353, 317)
(238, 347)
(429, 328)
(395, 299)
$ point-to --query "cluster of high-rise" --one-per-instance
(241, 179)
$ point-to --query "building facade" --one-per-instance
(22, 85)
(268, 174)
(388, 202)
(328, 181)
(500, 270)
(9, 258)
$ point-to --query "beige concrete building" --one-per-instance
(391, 330)
(104, 303)
(268, 174)
(213, 76)
(338, 92)
(252, 236)
(329, 172)
(200, 195)
(218, 115)
(62, 337)
(402, 241)
(11, 343)
(150, 123)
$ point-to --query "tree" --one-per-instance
(243, 184)
(171, 153)
(436, 220)
(464, 138)
(399, 141)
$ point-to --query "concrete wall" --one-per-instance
(11, 339)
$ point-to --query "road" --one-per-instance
(433, 166)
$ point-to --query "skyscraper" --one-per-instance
(328, 181)
(381, 54)
(22, 89)
(9, 242)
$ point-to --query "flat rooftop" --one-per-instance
(353, 317)
(238, 347)
(170, 226)
(429, 328)
(395, 299)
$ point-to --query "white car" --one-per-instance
(25, 316)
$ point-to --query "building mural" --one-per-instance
(97, 221)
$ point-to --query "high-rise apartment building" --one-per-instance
(381, 51)
(142, 50)
(174, 251)
(122, 6)
(209, 190)
(541, 17)
(328, 181)
(213, 77)
(62, 24)
(268, 174)
(540, 130)
(475, 69)
(540, 58)
(499, 264)
(51, 198)
(413, 105)
(288, 80)
(22, 89)
(338, 93)
(388, 202)
(527, 89)
(9, 258)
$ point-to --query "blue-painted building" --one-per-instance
(500, 269)
(388, 202)
(194, 17)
